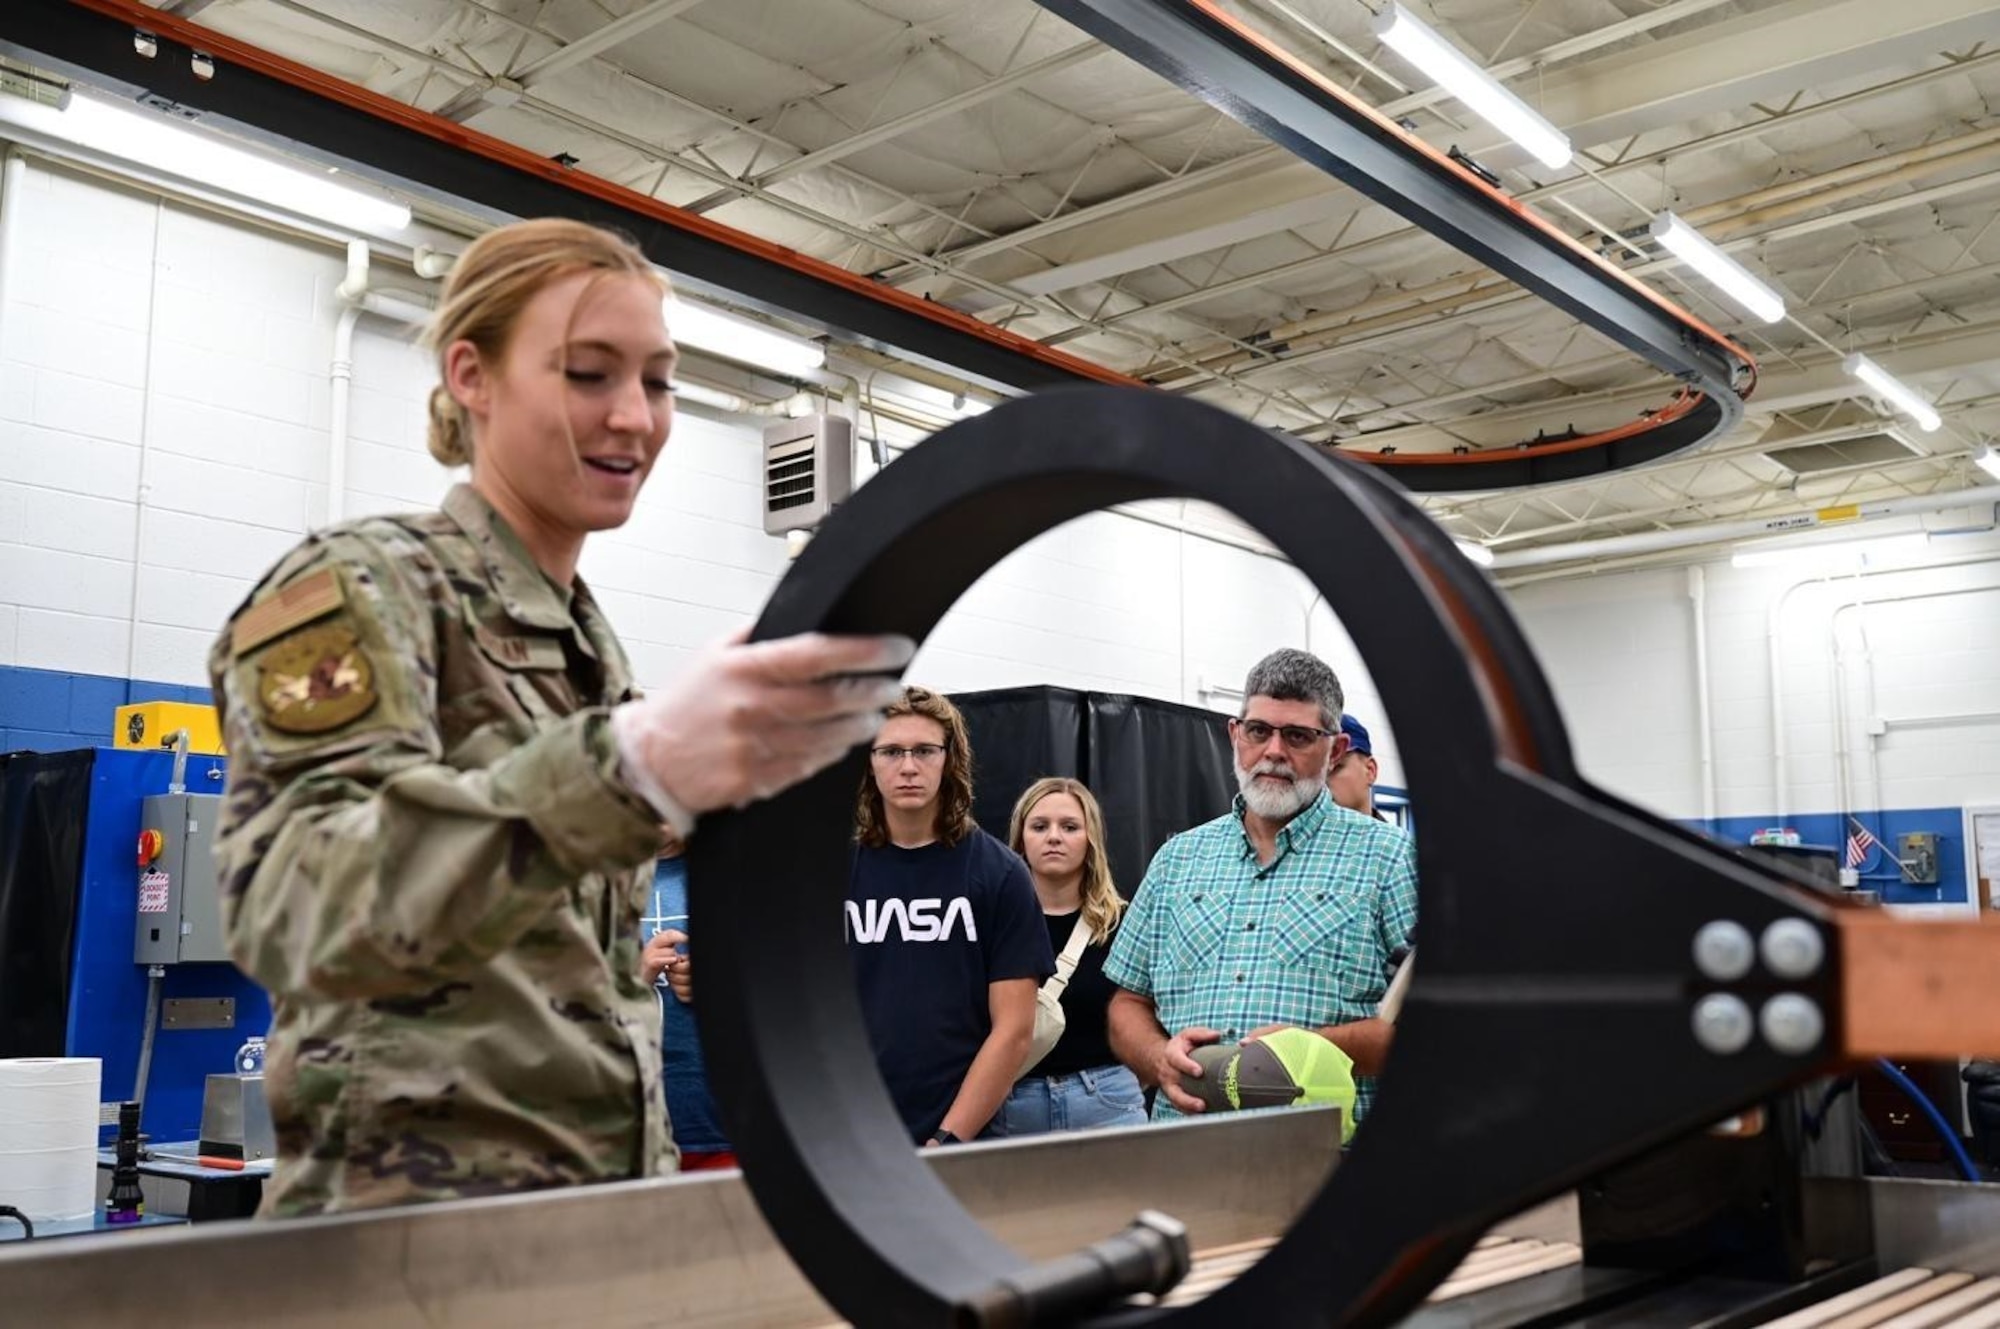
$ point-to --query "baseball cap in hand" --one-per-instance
(1288, 1068)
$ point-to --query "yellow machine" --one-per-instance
(149, 724)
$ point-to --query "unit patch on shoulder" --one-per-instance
(289, 607)
(315, 680)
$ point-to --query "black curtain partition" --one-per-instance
(1156, 767)
(44, 802)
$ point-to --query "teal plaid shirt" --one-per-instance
(1216, 939)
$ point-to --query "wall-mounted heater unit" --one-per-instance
(808, 468)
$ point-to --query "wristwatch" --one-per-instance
(944, 1136)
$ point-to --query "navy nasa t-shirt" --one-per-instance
(928, 929)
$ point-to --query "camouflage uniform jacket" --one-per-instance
(428, 859)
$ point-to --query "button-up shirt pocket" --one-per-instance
(1326, 942)
(488, 703)
(1196, 939)
(533, 669)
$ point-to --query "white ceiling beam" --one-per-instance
(1652, 162)
(506, 91)
(1309, 354)
(1275, 159)
(1315, 206)
(572, 54)
(1313, 181)
(1799, 45)
(1217, 174)
(1953, 277)
(1926, 357)
(903, 124)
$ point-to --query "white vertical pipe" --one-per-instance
(353, 287)
(13, 172)
(1698, 598)
(355, 283)
(1843, 720)
(342, 375)
(355, 300)
(1780, 776)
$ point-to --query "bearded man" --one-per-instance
(1283, 913)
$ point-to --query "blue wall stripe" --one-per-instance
(47, 710)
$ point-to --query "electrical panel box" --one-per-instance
(180, 906)
(808, 468)
(1918, 853)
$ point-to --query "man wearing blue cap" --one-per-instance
(1351, 779)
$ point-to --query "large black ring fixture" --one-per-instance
(1548, 1034)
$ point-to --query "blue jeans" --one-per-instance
(1098, 1096)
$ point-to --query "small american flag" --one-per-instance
(1859, 842)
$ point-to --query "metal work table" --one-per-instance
(692, 1250)
(686, 1250)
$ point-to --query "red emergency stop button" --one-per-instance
(151, 842)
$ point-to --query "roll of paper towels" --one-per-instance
(48, 1136)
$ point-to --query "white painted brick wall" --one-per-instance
(14, 507)
(72, 642)
(1619, 650)
(51, 459)
(61, 340)
(208, 431)
(77, 403)
(77, 583)
(17, 392)
(219, 489)
(101, 527)
(177, 598)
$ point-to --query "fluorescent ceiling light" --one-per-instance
(1893, 392)
(1478, 553)
(1987, 460)
(1479, 91)
(1698, 252)
(740, 340)
(187, 152)
(1832, 556)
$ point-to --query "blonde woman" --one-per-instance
(1059, 830)
(445, 793)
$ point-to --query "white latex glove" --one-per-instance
(748, 721)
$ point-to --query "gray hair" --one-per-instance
(1291, 675)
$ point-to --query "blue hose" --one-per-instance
(1945, 1130)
